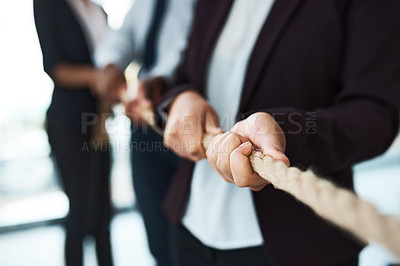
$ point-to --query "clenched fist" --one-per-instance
(189, 118)
(229, 153)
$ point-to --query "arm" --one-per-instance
(74, 76)
(67, 75)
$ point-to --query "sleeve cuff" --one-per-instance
(162, 108)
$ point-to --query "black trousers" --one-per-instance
(153, 167)
(85, 177)
(187, 250)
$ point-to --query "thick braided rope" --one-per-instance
(339, 206)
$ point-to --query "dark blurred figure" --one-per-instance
(154, 34)
(68, 31)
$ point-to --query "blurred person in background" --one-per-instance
(153, 35)
(69, 31)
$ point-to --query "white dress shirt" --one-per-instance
(219, 214)
(92, 19)
(127, 44)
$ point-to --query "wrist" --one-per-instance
(89, 75)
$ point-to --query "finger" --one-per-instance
(242, 172)
(212, 153)
(230, 143)
(194, 143)
(174, 145)
(213, 147)
(184, 148)
(185, 142)
(173, 142)
(193, 150)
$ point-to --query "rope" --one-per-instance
(337, 205)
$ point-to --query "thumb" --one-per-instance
(274, 149)
(271, 144)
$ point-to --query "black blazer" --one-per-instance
(62, 40)
(329, 71)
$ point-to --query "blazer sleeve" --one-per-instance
(47, 33)
(363, 118)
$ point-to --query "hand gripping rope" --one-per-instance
(337, 205)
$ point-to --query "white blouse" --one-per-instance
(92, 20)
(222, 215)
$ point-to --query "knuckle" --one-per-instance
(233, 156)
(241, 182)
(234, 140)
(167, 144)
(211, 152)
(192, 153)
(227, 180)
(221, 164)
(236, 128)
(169, 141)
(196, 159)
(191, 147)
(211, 156)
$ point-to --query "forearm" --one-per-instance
(73, 76)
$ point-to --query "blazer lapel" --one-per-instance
(276, 22)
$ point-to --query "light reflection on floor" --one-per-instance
(43, 246)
